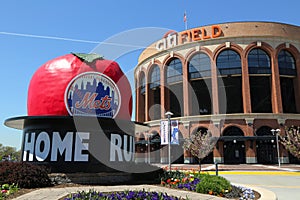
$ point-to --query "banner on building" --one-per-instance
(174, 132)
(164, 132)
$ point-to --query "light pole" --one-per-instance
(276, 132)
(168, 114)
(149, 155)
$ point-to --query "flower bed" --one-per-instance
(183, 180)
(124, 195)
(206, 184)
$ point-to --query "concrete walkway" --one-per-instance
(57, 193)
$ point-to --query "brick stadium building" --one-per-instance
(237, 80)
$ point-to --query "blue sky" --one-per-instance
(28, 30)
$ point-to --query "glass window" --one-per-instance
(229, 62)
(155, 77)
(288, 95)
(143, 83)
(259, 62)
(174, 71)
(260, 91)
(230, 95)
(199, 66)
(286, 63)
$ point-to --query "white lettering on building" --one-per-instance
(40, 147)
(116, 152)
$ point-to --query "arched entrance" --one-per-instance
(234, 146)
(265, 146)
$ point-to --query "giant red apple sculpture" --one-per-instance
(57, 79)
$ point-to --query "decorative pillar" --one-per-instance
(218, 152)
(283, 153)
(250, 145)
(146, 99)
(137, 99)
(163, 93)
(276, 92)
(246, 87)
(214, 86)
(185, 92)
(250, 151)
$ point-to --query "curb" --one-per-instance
(274, 173)
(265, 194)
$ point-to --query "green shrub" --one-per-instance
(23, 174)
(171, 174)
(215, 185)
(7, 190)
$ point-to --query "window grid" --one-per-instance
(229, 62)
(155, 77)
(174, 71)
(286, 63)
(259, 62)
(143, 84)
(199, 66)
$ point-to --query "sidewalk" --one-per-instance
(238, 167)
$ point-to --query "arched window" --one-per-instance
(287, 67)
(286, 63)
(229, 87)
(199, 66)
(174, 71)
(155, 77)
(232, 131)
(154, 93)
(229, 62)
(200, 79)
(264, 131)
(259, 62)
(260, 86)
(174, 82)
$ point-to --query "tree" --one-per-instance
(200, 145)
(9, 153)
(291, 140)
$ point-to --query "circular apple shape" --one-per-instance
(46, 93)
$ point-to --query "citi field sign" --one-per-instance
(173, 39)
(79, 110)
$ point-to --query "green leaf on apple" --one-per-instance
(89, 58)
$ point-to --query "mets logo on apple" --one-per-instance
(92, 94)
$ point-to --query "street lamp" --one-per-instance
(169, 114)
(276, 132)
